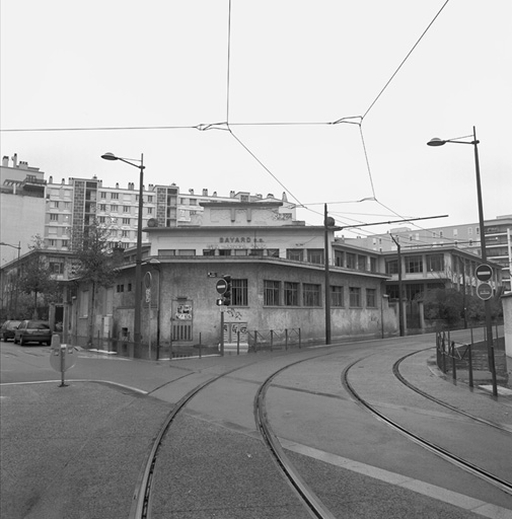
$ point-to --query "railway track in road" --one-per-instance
(142, 498)
(457, 460)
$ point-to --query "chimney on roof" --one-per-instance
(191, 191)
(63, 181)
(23, 164)
(5, 161)
(117, 185)
(285, 198)
(205, 192)
(50, 180)
(15, 160)
(231, 194)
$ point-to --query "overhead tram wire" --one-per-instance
(404, 60)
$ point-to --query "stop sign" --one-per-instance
(483, 272)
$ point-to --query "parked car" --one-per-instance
(33, 331)
(7, 330)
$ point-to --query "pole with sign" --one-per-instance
(62, 357)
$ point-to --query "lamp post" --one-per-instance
(488, 324)
(17, 273)
(138, 260)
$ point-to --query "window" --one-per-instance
(54, 217)
(54, 205)
(315, 256)
(392, 267)
(186, 252)
(126, 208)
(351, 260)
(435, 263)
(114, 207)
(338, 258)
(337, 296)
(150, 210)
(273, 253)
(119, 288)
(84, 303)
(125, 234)
(361, 263)
(103, 194)
(239, 292)
(271, 293)
(291, 293)
(240, 252)
(311, 294)
(373, 264)
(102, 219)
(114, 196)
(102, 207)
(126, 221)
(150, 199)
(371, 297)
(56, 267)
(65, 243)
(208, 252)
(224, 252)
(354, 297)
(413, 264)
(295, 254)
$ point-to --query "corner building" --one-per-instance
(278, 273)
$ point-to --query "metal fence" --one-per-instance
(260, 340)
(450, 355)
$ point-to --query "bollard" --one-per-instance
(454, 364)
(470, 366)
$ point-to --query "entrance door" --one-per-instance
(181, 321)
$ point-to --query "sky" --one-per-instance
(330, 101)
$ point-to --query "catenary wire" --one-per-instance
(404, 60)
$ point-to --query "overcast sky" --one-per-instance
(113, 63)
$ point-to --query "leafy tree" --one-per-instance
(446, 304)
(36, 278)
(96, 263)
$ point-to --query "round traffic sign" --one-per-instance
(483, 272)
(484, 291)
(221, 286)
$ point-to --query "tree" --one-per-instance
(446, 304)
(96, 263)
(36, 278)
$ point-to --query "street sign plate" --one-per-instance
(221, 286)
(484, 291)
(483, 272)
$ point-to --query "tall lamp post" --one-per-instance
(138, 260)
(488, 324)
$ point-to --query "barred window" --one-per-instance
(371, 298)
(337, 296)
(311, 294)
(291, 294)
(351, 260)
(239, 292)
(354, 297)
(271, 292)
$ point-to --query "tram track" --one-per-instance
(438, 450)
(142, 497)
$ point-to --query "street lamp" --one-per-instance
(474, 142)
(138, 260)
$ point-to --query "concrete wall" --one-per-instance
(185, 285)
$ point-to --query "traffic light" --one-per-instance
(226, 297)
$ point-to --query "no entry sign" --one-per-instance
(222, 286)
(484, 291)
(483, 272)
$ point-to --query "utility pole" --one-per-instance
(400, 306)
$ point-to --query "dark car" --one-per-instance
(33, 331)
(7, 330)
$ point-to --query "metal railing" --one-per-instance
(260, 340)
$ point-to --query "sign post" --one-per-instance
(62, 357)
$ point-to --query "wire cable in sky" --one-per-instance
(97, 128)
(228, 62)
(405, 59)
